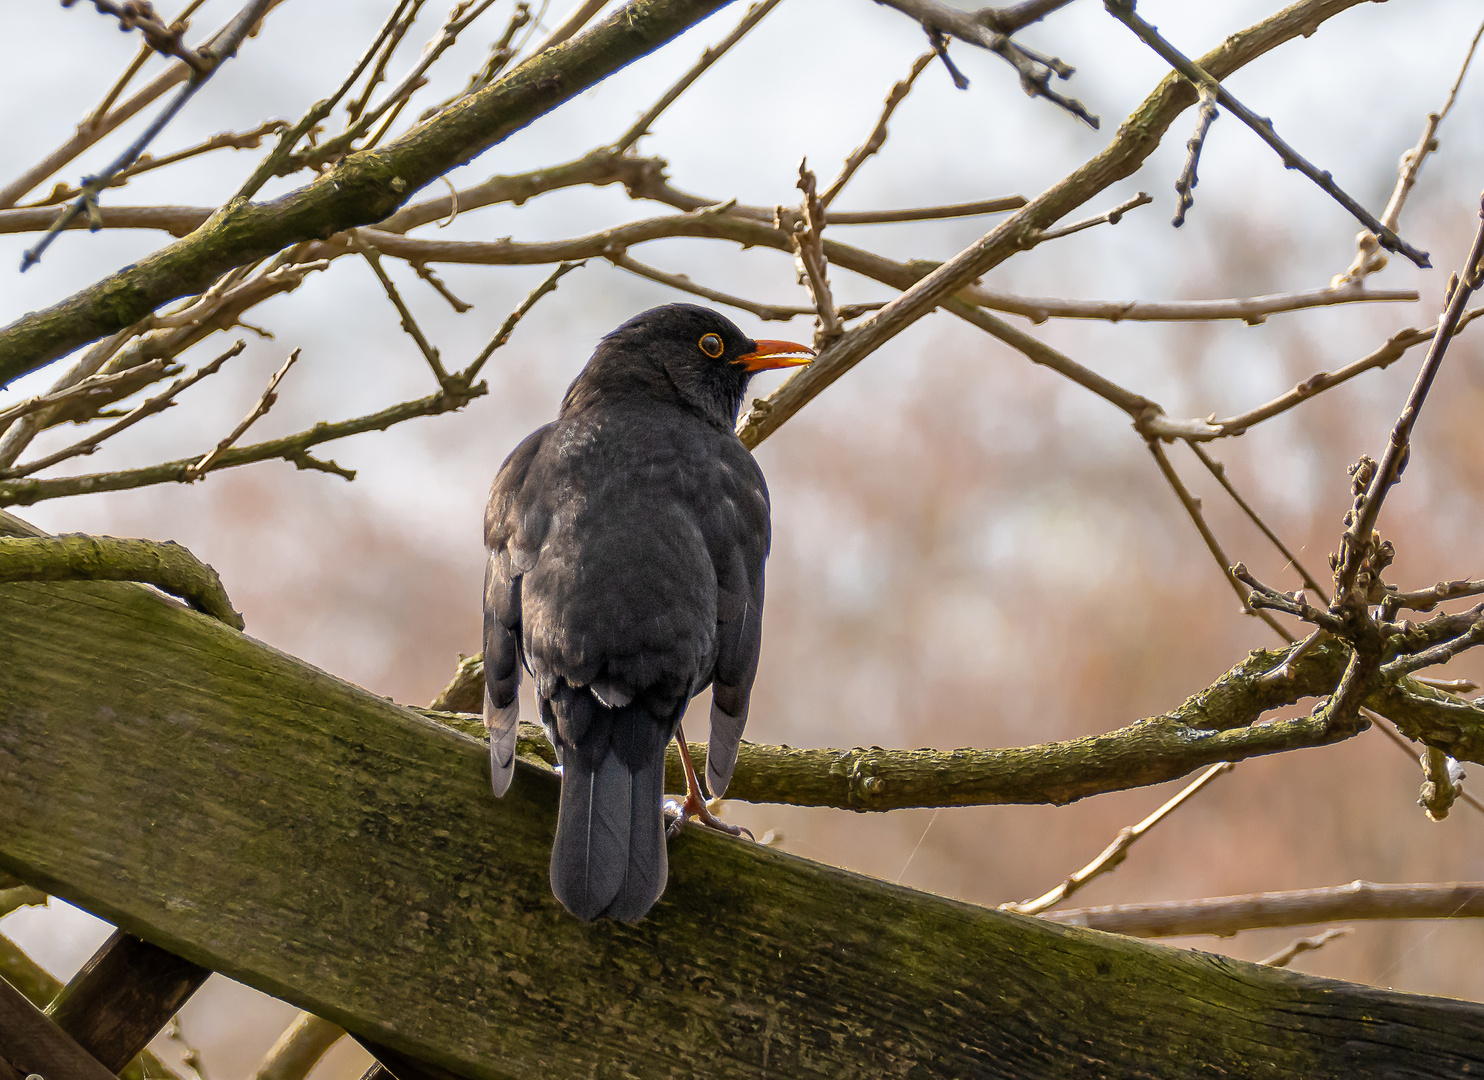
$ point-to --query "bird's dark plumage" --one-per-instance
(627, 542)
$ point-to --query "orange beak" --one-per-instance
(775, 354)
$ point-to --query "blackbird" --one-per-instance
(627, 541)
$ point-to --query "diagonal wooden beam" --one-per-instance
(123, 996)
(304, 836)
(33, 1044)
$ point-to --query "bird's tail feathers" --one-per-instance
(609, 858)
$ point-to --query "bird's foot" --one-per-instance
(693, 806)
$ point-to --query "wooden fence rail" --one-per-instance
(261, 818)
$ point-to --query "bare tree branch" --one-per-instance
(207, 60)
(1200, 77)
(1225, 915)
(1355, 543)
(166, 566)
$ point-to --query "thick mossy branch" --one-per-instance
(1217, 724)
(166, 565)
(362, 188)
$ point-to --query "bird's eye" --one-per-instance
(711, 345)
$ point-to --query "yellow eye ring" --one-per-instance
(711, 345)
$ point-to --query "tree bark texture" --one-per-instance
(264, 819)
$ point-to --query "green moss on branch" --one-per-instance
(167, 566)
(1215, 724)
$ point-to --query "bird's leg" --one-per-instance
(694, 805)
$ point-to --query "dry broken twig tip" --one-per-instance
(1116, 852)
(877, 139)
(265, 402)
(1193, 509)
(1112, 217)
(978, 28)
(805, 229)
(1286, 955)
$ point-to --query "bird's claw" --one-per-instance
(694, 807)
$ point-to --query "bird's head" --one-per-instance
(685, 354)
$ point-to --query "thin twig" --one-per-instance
(1123, 11)
(277, 160)
(422, 271)
(877, 138)
(98, 126)
(153, 405)
(292, 448)
(166, 40)
(459, 19)
(1427, 599)
(1286, 955)
(939, 42)
(1116, 852)
(1218, 470)
(1368, 258)
(264, 403)
(1395, 347)
(1193, 509)
(502, 335)
(1438, 654)
(805, 228)
(1185, 185)
(766, 312)
(1112, 217)
(641, 126)
(387, 41)
(93, 384)
(234, 140)
(1035, 71)
(501, 53)
(409, 324)
(212, 56)
(1355, 543)
(1226, 915)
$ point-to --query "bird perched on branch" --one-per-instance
(627, 541)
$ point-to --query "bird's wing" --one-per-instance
(738, 535)
(508, 522)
